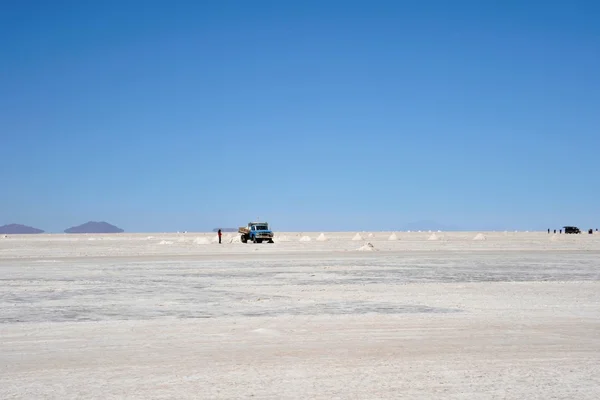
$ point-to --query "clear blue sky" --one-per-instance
(313, 115)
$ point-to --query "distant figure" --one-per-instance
(591, 231)
(548, 230)
(219, 233)
(561, 231)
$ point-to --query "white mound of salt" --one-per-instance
(433, 237)
(282, 239)
(201, 240)
(322, 238)
(305, 238)
(357, 237)
(370, 235)
(367, 247)
(479, 236)
(165, 242)
(215, 239)
(235, 239)
(393, 237)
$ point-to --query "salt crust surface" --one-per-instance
(514, 316)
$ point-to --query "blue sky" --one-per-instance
(313, 115)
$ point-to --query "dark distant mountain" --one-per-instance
(94, 227)
(16, 229)
(225, 229)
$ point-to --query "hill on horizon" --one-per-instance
(18, 229)
(94, 227)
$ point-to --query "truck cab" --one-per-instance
(256, 232)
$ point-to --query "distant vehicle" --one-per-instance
(571, 229)
(256, 232)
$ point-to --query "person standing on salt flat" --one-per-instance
(219, 234)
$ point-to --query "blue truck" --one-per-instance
(256, 232)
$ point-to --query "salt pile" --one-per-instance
(370, 235)
(433, 237)
(201, 240)
(235, 239)
(479, 236)
(357, 237)
(305, 238)
(367, 247)
(215, 239)
(393, 237)
(282, 239)
(165, 242)
(321, 237)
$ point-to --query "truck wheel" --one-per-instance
(259, 241)
(244, 239)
